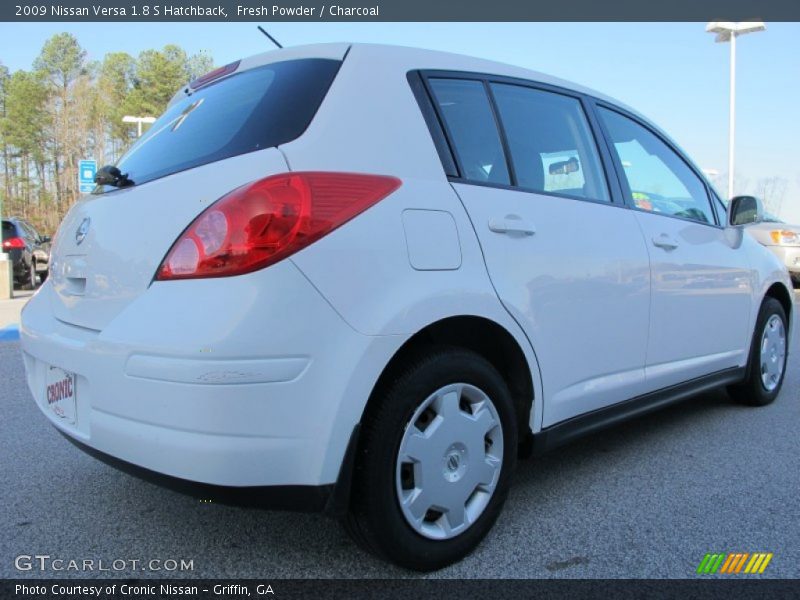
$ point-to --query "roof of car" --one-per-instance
(418, 58)
(408, 58)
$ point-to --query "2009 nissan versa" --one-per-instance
(365, 279)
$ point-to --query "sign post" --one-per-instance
(86, 172)
(6, 268)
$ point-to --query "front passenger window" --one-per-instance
(659, 180)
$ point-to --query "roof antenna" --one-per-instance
(264, 31)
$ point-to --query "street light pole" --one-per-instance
(6, 268)
(728, 32)
(2, 252)
(138, 121)
(731, 118)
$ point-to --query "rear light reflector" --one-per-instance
(263, 222)
(215, 74)
(12, 243)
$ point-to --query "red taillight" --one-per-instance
(263, 222)
(14, 242)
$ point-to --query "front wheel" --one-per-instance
(768, 351)
(435, 461)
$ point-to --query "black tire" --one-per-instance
(43, 276)
(375, 519)
(752, 391)
(31, 281)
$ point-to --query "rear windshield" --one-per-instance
(9, 230)
(256, 109)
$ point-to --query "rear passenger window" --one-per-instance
(552, 148)
(659, 180)
(468, 117)
(32, 234)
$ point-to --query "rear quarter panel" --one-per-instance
(370, 122)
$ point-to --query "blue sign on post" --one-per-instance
(86, 172)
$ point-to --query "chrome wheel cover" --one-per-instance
(773, 353)
(449, 461)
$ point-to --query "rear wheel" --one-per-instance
(767, 365)
(32, 281)
(435, 461)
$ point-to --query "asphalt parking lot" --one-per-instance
(646, 499)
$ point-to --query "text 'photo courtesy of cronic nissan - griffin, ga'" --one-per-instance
(381, 275)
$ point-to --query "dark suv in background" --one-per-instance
(29, 252)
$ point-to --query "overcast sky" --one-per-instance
(672, 72)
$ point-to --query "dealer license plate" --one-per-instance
(60, 394)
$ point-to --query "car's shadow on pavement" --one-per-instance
(231, 541)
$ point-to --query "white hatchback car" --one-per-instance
(364, 279)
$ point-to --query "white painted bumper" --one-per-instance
(250, 381)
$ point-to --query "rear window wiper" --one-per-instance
(111, 175)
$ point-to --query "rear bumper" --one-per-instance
(20, 269)
(255, 381)
(302, 498)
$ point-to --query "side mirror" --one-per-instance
(743, 210)
(44, 239)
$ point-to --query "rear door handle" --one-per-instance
(665, 241)
(512, 224)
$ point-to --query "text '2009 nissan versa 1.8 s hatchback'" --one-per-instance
(365, 279)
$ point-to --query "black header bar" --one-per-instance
(442, 589)
(398, 10)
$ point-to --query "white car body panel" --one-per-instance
(767, 271)
(700, 290)
(260, 379)
(580, 288)
(377, 290)
(96, 279)
(256, 380)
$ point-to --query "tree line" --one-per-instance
(68, 108)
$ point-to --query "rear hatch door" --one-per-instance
(209, 142)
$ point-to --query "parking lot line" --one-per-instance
(10, 333)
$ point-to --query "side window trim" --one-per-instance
(501, 130)
(619, 173)
(441, 140)
(607, 157)
(718, 206)
(426, 76)
(623, 182)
